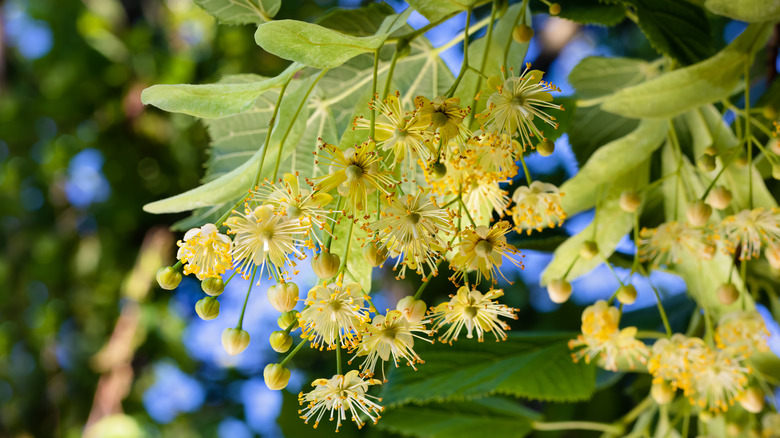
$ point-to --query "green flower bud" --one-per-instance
(438, 170)
(630, 201)
(213, 286)
(235, 340)
(374, 256)
(413, 309)
(770, 112)
(627, 294)
(559, 290)
(719, 197)
(276, 376)
(287, 318)
(589, 250)
(283, 296)
(326, 265)
(727, 294)
(698, 213)
(168, 278)
(281, 341)
(752, 400)
(207, 308)
(662, 392)
(706, 163)
(555, 9)
(545, 147)
(522, 33)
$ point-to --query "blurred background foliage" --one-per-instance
(86, 338)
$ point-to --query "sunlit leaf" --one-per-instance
(241, 11)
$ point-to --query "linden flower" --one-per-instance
(602, 338)
(399, 131)
(742, 332)
(444, 116)
(672, 360)
(669, 242)
(355, 171)
(537, 206)
(412, 228)
(340, 395)
(483, 249)
(748, 229)
(296, 204)
(493, 153)
(518, 101)
(205, 252)
(474, 311)
(262, 237)
(717, 381)
(386, 336)
(333, 314)
(484, 196)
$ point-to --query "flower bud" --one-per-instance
(706, 162)
(207, 308)
(235, 340)
(771, 423)
(630, 201)
(438, 170)
(413, 309)
(719, 197)
(698, 213)
(752, 400)
(770, 112)
(710, 150)
(589, 249)
(283, 296)
(168, 278)
(555, 9)
(374, 256)
(280, 341)
(662, 392)
(213, 286)
(287, 318)
(325, 265)
(545, 147)
(626, 294)
(773, 256)
(522, 33)
(733, 429)
(727, 293)
(276, 376)
(559, 290)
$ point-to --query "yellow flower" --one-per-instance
(717, 380)
(517, 102)
(537, 206)
(262, 237)
(669, 242)
(411, 229)
(474, 311)
(444, 116)
(355, 172)
(673, 360)
(494, 154)
(748, 229)
(483, 196)
(333, 314)
(386, 336)
(339, 396)
(742, 332)
(483, 249)
(399, 131)
(602, 339)
(205, 252)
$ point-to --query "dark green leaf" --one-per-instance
(592, 12)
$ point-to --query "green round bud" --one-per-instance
(719, 197)
(627, 294)
(662, 392)
(522, 33)
(326, 265)
(706, 163)
(559, 290)
(752, 400)
(287, 318)
(589, 250)
(276, 376)
(213, 286)
(727, 294)
(630, 201)
(283, 296)
(770, 112)
(413, 309)
(555, 9)
(545, 147)
(207, 308)
(374, 256)
(235, 340)
(438, 170)
(168, 278)
(280, 341)
(698, 213)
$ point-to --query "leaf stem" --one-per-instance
(577, 425)
(488, 40)
(292, 354)
(747, 132)
(246, 300)
(338, 354)
(465, 64)
(373, 95)
(525, 169)
(271, 124)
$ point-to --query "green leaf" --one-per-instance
(535, 366)
(357, 268)
(592, 12)
(597, 76)
(363, 21)
(241, 11)
(592, 128)
(746, 10)
(232, 95)
(317, 46)
(610, 162)
(563, 117)
(674, 28)
(502, 417)
(681, 90)
(440, 9)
